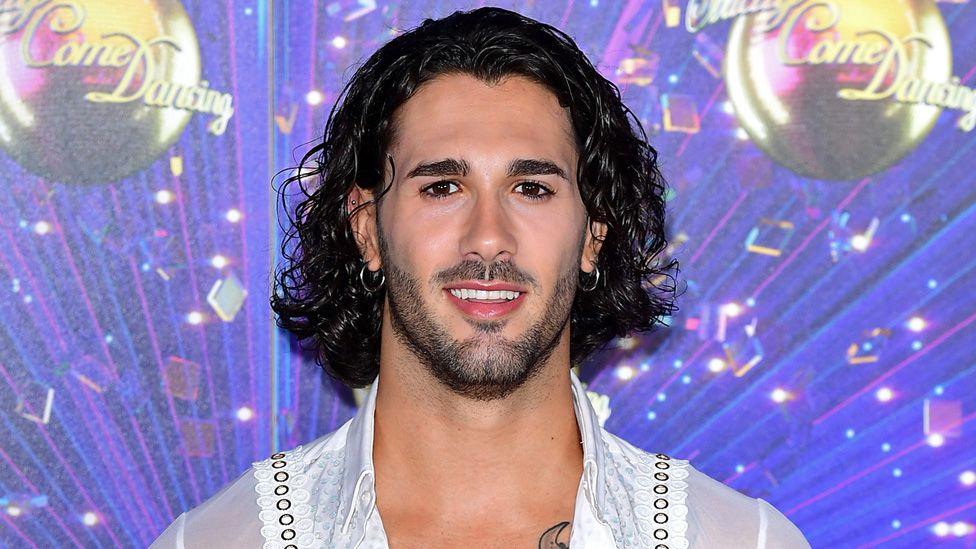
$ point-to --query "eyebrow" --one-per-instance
(533, 166)
(517, 168)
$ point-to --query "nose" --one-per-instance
(488, 233)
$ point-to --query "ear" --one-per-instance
(596, 232)
(362, 207)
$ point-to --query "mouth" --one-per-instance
(485, 301)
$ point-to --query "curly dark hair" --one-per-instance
(318, 294)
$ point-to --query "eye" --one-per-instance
(441, 189)
(533, 190)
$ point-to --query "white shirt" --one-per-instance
(321, 494)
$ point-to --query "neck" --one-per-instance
(515, 459)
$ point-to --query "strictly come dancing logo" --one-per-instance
(837, 89)
(109, 84)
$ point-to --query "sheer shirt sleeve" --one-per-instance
(720, 517)
(776, 531)
(228, 519)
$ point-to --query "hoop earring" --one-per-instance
(362, 279)
(596, 280)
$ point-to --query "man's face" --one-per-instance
(483, 231)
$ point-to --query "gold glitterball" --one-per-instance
(82, 80)
(787, 72)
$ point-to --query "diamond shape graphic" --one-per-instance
(226, 297)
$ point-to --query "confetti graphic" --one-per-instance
(823, 357)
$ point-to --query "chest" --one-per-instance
(407, 533)
(493, 540)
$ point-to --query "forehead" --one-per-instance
(460, 115)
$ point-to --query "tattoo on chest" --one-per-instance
(550, 538)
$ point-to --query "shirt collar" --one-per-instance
(358, 459)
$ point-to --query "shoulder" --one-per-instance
(227, 517)
(253, 507)
(777, 530)
(711, 513)
(298, 490)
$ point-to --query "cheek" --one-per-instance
(422, 240)
(549, 244)
(560, 233)
(549, 249)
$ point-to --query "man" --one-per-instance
(483, 217)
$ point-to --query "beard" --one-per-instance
(487, 366)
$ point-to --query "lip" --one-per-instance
(482, 285)
(485, 311)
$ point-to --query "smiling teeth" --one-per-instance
(463, 293)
